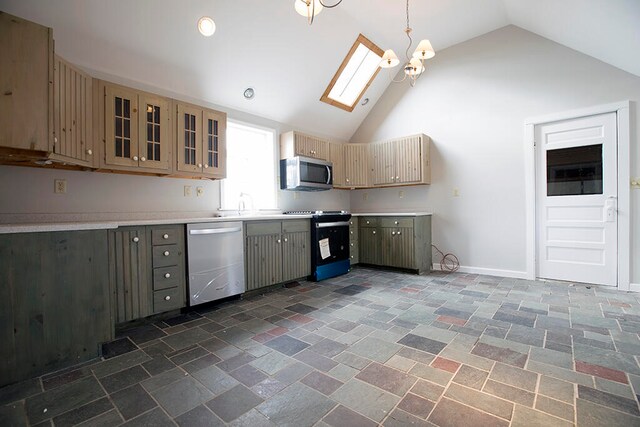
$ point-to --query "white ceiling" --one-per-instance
(267, 45)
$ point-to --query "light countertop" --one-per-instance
(391, 213)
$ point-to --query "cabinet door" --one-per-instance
(356, 165)
(403, 248)
(296, 255)
(369, 246)
(130, 276)
(72, 114)
(121, 127)
(214, 144)
(408, 160)
(264, 261)
(336, 157)
(25, 92)
(154, 132)
(189, 145)
(382, 163)
(387, 250)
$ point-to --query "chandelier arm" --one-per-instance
(404, 77)
(330, 6)
(313, 12)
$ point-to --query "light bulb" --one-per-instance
(206, 26)
(305, 7)
(414, 67)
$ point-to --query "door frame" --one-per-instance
(622, 110)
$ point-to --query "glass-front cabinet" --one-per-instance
(201, 141)
(136, 130)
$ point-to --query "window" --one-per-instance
(355, 74)
(251, 171)
(574, 171)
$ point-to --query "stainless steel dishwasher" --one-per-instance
(216, 261)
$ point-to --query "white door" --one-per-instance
(576, 194)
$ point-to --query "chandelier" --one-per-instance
(414, 67)
(310, 8)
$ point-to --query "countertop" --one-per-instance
(36, 224)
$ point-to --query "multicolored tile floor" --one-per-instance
(368, 348)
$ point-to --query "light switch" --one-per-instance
(187, 191)
(401, 194)
(199, 191)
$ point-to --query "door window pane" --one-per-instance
(574, 171)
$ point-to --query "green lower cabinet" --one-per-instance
(399, 242)
(54, 301)
(276, 252)
(146, 271)
(354, 254)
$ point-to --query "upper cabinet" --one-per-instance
(336, 157)
(299, 144)
(356, 157)
(201, 141)
(401, 161)
(136, 129)
(72, 115)
(26, 84)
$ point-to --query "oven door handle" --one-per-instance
(332, 224)
(329, 175)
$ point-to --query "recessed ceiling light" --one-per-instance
(206, 26)
(249, 93)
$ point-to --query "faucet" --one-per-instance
(242, 204)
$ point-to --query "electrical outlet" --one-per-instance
(187, 191)
(401, 194)
(365, 196)
(199, 191)
(635, 183)
(456, 192)
(60, 186)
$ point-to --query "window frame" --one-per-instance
(361, 40)
(276, 173)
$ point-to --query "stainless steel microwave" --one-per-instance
(305, 174)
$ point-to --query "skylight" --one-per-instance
(355, 74)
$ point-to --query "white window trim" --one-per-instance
(276, 154)
(624, 191)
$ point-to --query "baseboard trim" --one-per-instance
(489, 271)
(634, 287)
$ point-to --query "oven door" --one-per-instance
(330, 242)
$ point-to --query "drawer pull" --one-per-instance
(135, 158)
(89, 152)
(367, 222)
(396, 222)
(393, 233)
(278, 241)
(399, 233)
(285, 240)
(167, 275)
(206, 166)
(374, 231)
(167, 298)
(165, 236)
(136, 239)
(165, 253)
(143, 159)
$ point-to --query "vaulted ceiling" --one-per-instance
(268, 46)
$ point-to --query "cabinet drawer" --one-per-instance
(396, 222)
(292, 226)
(263, 228)
(166, 277)
(166, 236)
(166, 255)
(167, 299)
(368, 221)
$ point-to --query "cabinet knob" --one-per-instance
(350, 222)
(374, 231)
(351, 244)
(392, 178)
(393, 233)
(367, 222)
(396, 222)
(278, 241)
(167, 298)
(351, 232)
(55, 139)
(143, 159)
(206, 166)
(397, 177)
(165, 236)
(347, 179)
(399, 233)
(285, 240)
(167, 275)
(136, 239)
(135, 158)
(165, 253)
(199, 165)
(89, 151)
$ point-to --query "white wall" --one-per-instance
(473, 101)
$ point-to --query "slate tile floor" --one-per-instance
(369, 348)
